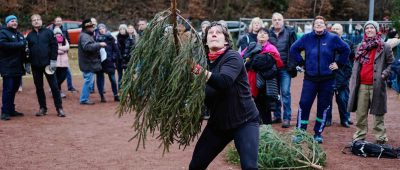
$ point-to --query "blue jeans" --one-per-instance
(324, 91)
(69, 79)
(100, 82)
(10, 87)
(342, 97)
(212, 141)
(87, 82)
(284, 80)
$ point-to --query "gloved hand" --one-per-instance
(28, 68)
(53, 65)
(196, 69)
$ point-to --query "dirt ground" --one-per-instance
(93, 137)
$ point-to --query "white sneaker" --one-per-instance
(63, 95)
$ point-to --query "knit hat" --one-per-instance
(208, 23)
(102, 26)
(57, 31)
(10, 17)
(373, 23)
(123, 26)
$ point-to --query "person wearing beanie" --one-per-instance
(62, 58)
(371, 68)
(204, 25)
(121, 41)
(108, 64)
(58, 23)
(323, 51)
(43, 53)
(88, 58)
(127, 40)
(12, 58)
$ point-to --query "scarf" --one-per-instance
(367, 44)
(213, 56)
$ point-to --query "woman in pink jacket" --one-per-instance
(262, 61)
(62, 58)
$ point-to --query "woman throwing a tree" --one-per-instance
(233, 114)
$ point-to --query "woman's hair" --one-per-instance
(254, 20)
(224, 31)
(266, 30)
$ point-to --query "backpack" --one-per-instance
(368, 149)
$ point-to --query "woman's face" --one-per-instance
(102, 30)
(130, 29)
(122, 31)
(370, 30)
(319, 25)
(216, 38)
(203, 27)
(262, 36)
(256, 26)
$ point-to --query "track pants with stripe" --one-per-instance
(323, 90)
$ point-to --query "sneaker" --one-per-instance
(350, 122)
(87, 103)
(345, 124)
(276, 121)
(5, 116)
(319, 138)
(63, 95)
(16, 114)
(20, 89)
(72, 89)
(42, 112)
(60, 113)
(286, 124)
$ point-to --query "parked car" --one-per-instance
(74, 29)
(236, 26)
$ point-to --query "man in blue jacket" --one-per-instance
(43, 52)
(320, 47)
(12, 57)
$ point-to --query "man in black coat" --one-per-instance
(12, 57)
(283, 37)
(43, 52)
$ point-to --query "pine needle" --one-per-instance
(159, 87)
(278, 151)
